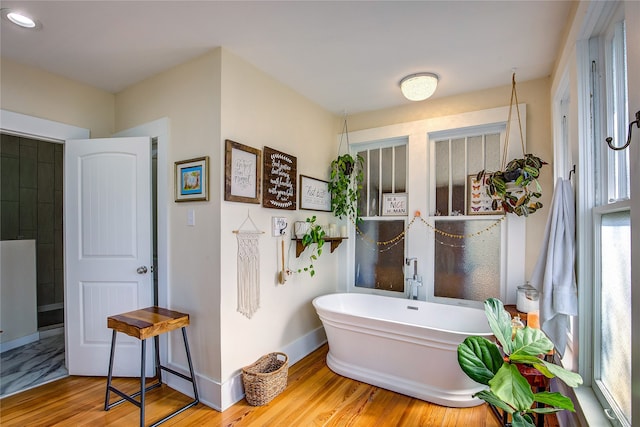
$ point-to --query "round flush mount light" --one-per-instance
(21, 19)
(419, 86)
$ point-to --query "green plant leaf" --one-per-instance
(479, 358)
(572, 379)
(494, 400)
(531, 342)
(500, 322)
(509, 385)
(554, 399)
(520, 420)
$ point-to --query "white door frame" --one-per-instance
(48, 130)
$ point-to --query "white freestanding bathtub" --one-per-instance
(402, 345)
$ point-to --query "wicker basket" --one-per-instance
(266, 378)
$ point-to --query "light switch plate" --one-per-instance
(279, 224)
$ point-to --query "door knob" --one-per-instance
(142, 270)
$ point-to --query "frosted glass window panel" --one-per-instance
(401, 168)
(374, 183)
(387, 170)
(492, 152)
(467, 268)
(442, 177)
(363, 198)
(380, 267)
(475, 155)
(458, 175)
(615, 333)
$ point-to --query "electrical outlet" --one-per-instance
(279, 224)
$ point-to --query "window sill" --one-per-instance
(589, 408)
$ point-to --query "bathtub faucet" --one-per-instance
(414, 282)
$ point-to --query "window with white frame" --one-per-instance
(611, 304)
(380, 249)
(401, 158)
(470, 267)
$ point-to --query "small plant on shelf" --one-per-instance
(314, 236)
(501, 368)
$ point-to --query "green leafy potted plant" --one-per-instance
(315, 235)
(345, 185)
(510, 187)
(500, 368)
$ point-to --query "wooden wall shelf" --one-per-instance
(334, 241)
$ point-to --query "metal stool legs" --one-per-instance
(143, 388)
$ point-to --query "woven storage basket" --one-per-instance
(266, 378)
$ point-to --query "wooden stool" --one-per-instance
(142, 324)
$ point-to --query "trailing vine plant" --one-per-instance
(315, 235)
(345, 185)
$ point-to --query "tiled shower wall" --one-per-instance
(31, 183)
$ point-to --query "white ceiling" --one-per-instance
(347, 56)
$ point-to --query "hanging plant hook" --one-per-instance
(635, 122)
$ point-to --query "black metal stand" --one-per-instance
(143, 388)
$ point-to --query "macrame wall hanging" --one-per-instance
(248, 268)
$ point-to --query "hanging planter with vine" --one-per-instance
(510, 187)
(346, 182)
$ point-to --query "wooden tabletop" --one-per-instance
(147, 322)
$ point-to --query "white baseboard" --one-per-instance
(19, 342)
(221, 396)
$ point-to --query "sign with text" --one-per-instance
(280, 172)
(394, 204)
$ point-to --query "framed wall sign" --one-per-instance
(479, 202)
(192, 180)
(394, 204)
(279, 174)
(242, 173)
(314, 194)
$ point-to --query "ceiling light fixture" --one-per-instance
(418, 87)
(21, 19)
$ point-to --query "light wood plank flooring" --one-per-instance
(315, 396)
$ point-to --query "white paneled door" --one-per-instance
(108, 249)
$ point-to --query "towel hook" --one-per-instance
(637, 123)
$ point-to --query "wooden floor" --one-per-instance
(315, 396)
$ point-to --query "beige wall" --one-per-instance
(189, 96)
(37, 93)
(535, 93)
(216, 97)
(259, 111)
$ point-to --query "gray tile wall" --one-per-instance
(31, 203)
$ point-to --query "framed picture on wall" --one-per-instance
(314, 194)
(279, 173)
(479, 202)
(242, 173)
(192, 180)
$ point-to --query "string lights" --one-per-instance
(385, 245)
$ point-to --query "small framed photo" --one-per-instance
(314, 194)
(394, 204)
(242, 173)
(479, 202)
(192, 180)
